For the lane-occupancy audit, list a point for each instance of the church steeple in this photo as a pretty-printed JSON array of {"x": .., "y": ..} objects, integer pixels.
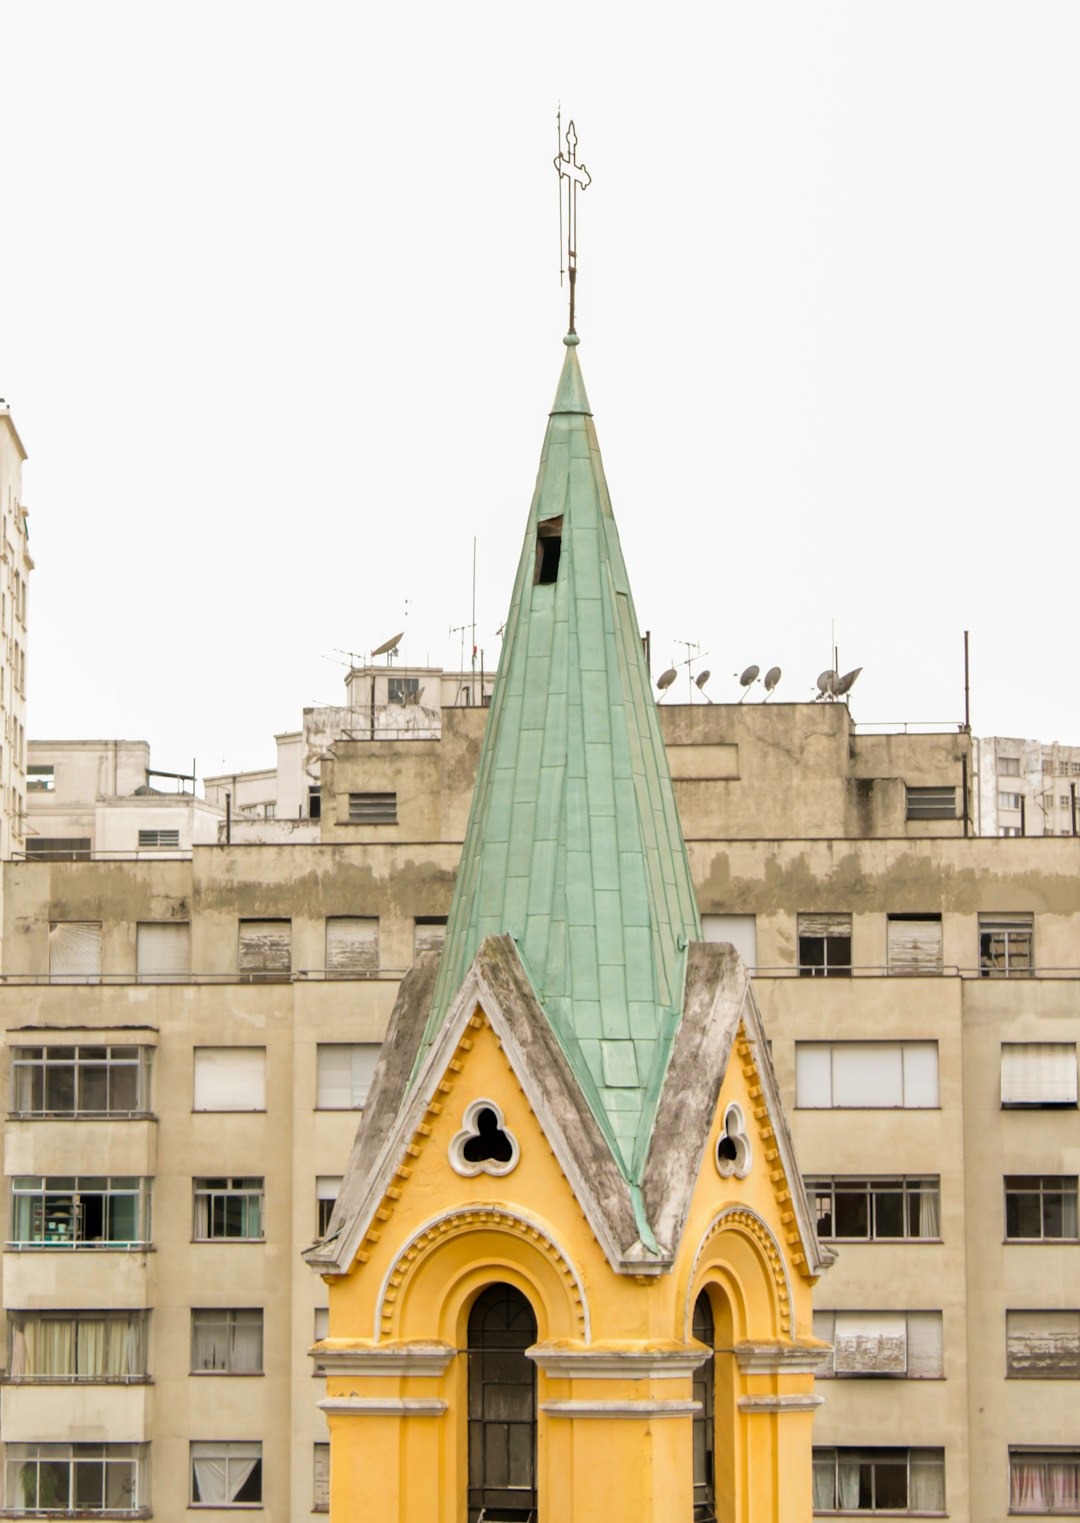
[{"x": 574, "y": 845}]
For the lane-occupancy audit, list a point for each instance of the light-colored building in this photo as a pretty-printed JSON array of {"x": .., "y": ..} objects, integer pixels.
[
  {"x": 14, "y": 586},
  {"x": 1026, "y": 787}
]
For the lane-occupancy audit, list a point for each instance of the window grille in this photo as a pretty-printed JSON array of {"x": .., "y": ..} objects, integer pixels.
[
  {"x": 372, "y": 808},
  {"x": 931, "y": 803}
]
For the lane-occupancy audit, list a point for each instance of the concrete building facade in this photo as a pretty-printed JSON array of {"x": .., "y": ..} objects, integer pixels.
[
  {"x": 1026, "y": 787},
  {"x": 14, "y": 590}
]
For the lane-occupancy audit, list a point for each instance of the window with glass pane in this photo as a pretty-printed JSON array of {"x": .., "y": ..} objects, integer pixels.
[
  {"x": 877, "y": 1209},
  {"x": 85, "y": 1345},
  {"x": 1006, "y": 946},
  {"x": 345, "y": 1071},
  {"x": 228, "y": 1209},
  {"x": 879, "y": 1480},
  {"x": 1044, "y": 1481},
  {"x": 1040, "y": 1206},
  {"x": 227, "y": 1341},
  {"x": 321, "y": 1331},
  {"x": 327, "y": 1188},
  {"x": 80, "y": 1081},
  {"x": 75, "y": 1478},
  {"x": 80, "y": 1212},
  {"x": 824, "y": 945},
  {"x": 226, "y": 1475}
]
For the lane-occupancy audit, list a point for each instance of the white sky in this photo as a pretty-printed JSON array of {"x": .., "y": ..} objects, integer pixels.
[{"x": 280, "y": 324}]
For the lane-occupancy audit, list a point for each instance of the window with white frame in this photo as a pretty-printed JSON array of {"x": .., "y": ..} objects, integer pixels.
[
  {"x": 327, "y": 1189},
  {"x": 344, "y": 1074},
  {"x": 76, "y": 1479},
  {"x": 1042, "y": 1345},
  {"x": 740, "y": 931},
  {"x": 265, "y": 950},
  {"x": 41, "y": 779},
  {"x": 1040, "y": 1207},
  {"x": 1038, "y": 1074},
  {"x": 429, "y": 933},
  {"x": 74, "y": 951},
  {"x": 322, "y": 1478},
  {"x": 1044, "y": 1481},
  {"x": 228, "y": 1209},
  {"x": 226, "y": 1475},
  {"x": 824, "y": 945},
  {"x": 879, "y": 1480},
  {"x": 1008, "y": 800},
  {"x": 99, "y": 1347},
  {"x": 352, "y": 945},
  {"x": 321, "y": 1331},
  {"x": 1006, "y": 945},
  {"x": 866, "y": 1075},
  {"x": 1008, "y": 766},
  {"x": 877, "y": 1209},
  {"x": 84, "y": 1212},
  {"x": 162, "y": 951},
  {"x": 230, "y": 1079},
  {"x": 900, "y": 1344},
  {"x": 914, "y": 944},
  {"x": 80, "y": 1081},
  {"x": 1009, "y": 830},
  {"x": 226, "y": 1340}
]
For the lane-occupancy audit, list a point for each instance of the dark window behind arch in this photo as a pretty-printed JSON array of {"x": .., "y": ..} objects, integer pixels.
[
  {"x": 705, "y": 1417},
  {"x": 502, "y": 1408}
]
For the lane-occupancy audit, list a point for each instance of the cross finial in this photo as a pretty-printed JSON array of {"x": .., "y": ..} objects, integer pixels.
[{"x": 571, "y": 175}]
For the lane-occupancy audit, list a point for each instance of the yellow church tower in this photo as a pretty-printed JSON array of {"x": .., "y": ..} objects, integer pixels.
[{"x": 570, "y": 1266}]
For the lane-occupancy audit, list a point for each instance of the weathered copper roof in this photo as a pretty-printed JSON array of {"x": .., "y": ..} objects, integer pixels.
[{"x": 574, "y": 846}]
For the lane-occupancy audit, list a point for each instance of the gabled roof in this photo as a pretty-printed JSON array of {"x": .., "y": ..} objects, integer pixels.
[{"x": 574, "y": 846}]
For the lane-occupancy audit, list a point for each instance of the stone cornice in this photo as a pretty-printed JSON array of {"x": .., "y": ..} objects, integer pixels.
[
  {"x": 780, "y": 1403},
  {"x": 643, "y": 1411},
  {"x": 416, "y": 1359},
  {"x": 781, "y": 1358},
  {"x": 627, "y": 1363},
  {"x": 383, "y": 1406}
]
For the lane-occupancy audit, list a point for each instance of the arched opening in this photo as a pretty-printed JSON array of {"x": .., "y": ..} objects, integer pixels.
[
  {"x": 502, "y": 1408},
  {"x": 705, "y": 1416}
]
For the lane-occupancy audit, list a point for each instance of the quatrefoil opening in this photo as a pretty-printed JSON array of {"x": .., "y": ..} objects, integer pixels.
[
  {"x": 733, "y": 1155},
  {"x": 483, "y": 1146}
]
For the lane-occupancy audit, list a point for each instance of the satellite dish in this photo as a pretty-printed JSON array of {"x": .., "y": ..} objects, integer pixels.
[
  {"x": 748, "y": 678},
  {"x": 826, "y": 682},
  {"x": 772, "y": 677},
  {"x": 665, "y": 679},
  {"x": 702, "y": 677},
  {"x": 846, "y": 682},
  {"x": 388, "y": 645}
]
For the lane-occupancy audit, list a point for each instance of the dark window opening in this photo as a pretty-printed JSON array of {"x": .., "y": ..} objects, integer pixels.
[
  {"x": 548, "y": 551},
  {"x": 726, "y": 1149},
  {"x": 490, "y": 1142},
  {"x": 502, "y": 1408},
  {"x": 704, "y": 1417},
  {"x": 314, "y": 803}
]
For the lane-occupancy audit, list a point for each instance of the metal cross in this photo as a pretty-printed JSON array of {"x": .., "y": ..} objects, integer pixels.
[{"x": 572, "y": 174}]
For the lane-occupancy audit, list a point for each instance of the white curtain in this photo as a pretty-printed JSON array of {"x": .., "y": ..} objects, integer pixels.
[
  {"x": 49, "y": 1347},
  {"x": 210, "y": 1478},
  {"x": 848, "y": 1485},
  {"x": 824, "y": 1485},
  {"x": 929, "y": 1214},
  {"x": 1068, "y": 1213},
  {"x": 926, "y": 1492},
  {"x": 1044, "y": 1482},
  {"x": 247, "y": 1343},
  {"x": 220, "y": 1475}
]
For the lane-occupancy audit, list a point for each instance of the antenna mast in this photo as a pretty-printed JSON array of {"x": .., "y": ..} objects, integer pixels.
[{"x": 571, "y": 174}]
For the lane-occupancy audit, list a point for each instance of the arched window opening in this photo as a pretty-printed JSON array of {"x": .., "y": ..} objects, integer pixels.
[
  {"x": 705, "y": 1417},
  {"x": 502, "y": 1408}
]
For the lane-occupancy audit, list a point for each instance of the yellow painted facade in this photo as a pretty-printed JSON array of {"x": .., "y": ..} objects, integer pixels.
[{"x": 614, "y": 1352}]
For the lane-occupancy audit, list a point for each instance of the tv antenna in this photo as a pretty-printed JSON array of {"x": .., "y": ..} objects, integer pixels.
[
  {"x": 693, "y": 653},
  {"x": 572, "y": 175}
]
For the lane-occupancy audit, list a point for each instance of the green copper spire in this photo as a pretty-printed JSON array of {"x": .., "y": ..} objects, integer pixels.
[{"x": 574, "y": 845}]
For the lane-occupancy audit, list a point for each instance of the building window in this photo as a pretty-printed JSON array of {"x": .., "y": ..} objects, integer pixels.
[
  {"x": 1042, "y": 1345},
  {"x": 1009, "y": 830},
  {"x": 352, "y": 946},
  {"x": 40, "y": 779},
  {"x": 226, "y": 1475},
  {"x": 322, "y": 1330},
  {"x": 95, "y": 1346},
  {"x": 80, "y": 1081},
  {"x": 914, "y": 944},
  {"x": 403, "y": 690},
  {"x": 741, "y": 932},
  {"x": 74, "y": 951},
  {"x": 879, "y": 1480},
  {"x": 345, "y": 1071},
  {"x": 824, "y": 946},
  {"x": 1006, "y": 946},
  {"x": 899, "y": 1344},
  {"x": 322, "y": 1478},
  {"x": 1038, "y": 1073},
  {"x": 162, "y": 951},
  {"x": 226, "y": 1341},
  {"x": 80, "y": 1213},
  {"x": 58, "y": 848},
  {"x": 931, "y": 803},
  {"x": 372, "y": 808},
  {"x": 1008, "y": 800},
  {"x": 1044, "y": 1481},
  {"x": 877, "y": 1210},
  {"x": 159, "y": 840},
  {"x": 327, "y": 1189},
  {"x": 270, "y": 810},
  {"x": 230, "y": 1079},
  {"x": 265, "y": 952},
  {"x": 1040, "y": 1207},
  {"x": 866, "y": 1075},
  {"x": 314, "y": 802},
  {"x": 429, "y": 933},
  {"x": 228, "y": 1209},
  {"x": 75, "y": 1479},
  {"x": 548, "y": 551},
  {"x": 1008, "y": 766}
]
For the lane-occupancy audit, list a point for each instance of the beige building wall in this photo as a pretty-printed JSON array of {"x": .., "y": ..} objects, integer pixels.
[{"x": 14, "y": 587}]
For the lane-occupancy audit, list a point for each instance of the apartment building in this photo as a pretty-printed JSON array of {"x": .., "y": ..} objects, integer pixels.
[
  {"x": 1026, "y": 787},
  {"x": 14, "y": 586},
  {"x": 187, "y": 1043}
]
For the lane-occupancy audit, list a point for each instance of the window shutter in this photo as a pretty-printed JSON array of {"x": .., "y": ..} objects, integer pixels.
[
  {"x": 825, "y": 924},
  {"x": 924, "y": 1348},
  {"x": 327, "y": 1186},
  {"x": 345, "y": 1072},
  {"x": 824, "y": 1328},
  {"x": 740, "y": 930},
  {"x": 813, "y": 1075},
  {"x": 75, "y": 949},
  {"x": 871, "y": 1343},
  {"x": 230, "y": 1079},
  {"x": 352, "y": 945},
  {"x": 428, "y": 935},
  {"x": 372, "y": 808},
  {"x": 322, "y": 1477},
  {"x": 1043, "y": 1344},
  {"x": 868, "y": 1074},
  {"x": 920, "y": 1075},
  {"x": 265, "y": 946},
  {"x": 914, "y": 946},
  {"x": 163, "y": 951},
  {"x": 1038, "y": 1073}
]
